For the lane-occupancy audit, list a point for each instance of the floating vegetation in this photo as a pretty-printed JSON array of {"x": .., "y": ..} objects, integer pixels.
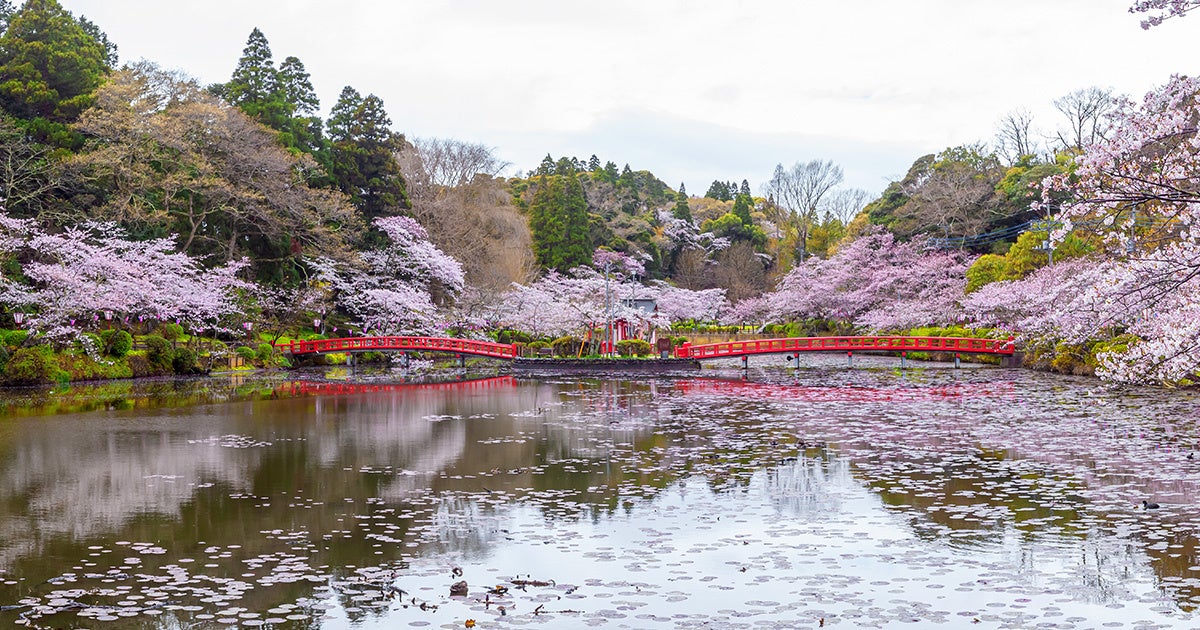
[{"x": 826, "y": 498}]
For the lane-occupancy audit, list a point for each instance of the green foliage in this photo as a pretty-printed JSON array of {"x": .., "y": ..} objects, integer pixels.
[
  {"x": 634, "y": 348},
  {"x": 49, "y": 64},
  {"x": 172, "y": 332},
  {"x": 559, "y": 221},
  {"x": 362, "y": 157},
  {"x": 265, "y": 352},
  {"x": 184, "y": 361},
  {"x": 247, "y": 353},
  {"x": 14, "y": 338},
  {"x": 159, "y": 354},
  {"x": 681, "y": 210},
  {"x": 513, "y": 336},
  {"x": 1023, "y": 258},
  {"x": 730, "y": 226},
  {"x": 118, "y": 343},
  {"x": 30, "y": 366},
  {"x": 566, "y": 346}
]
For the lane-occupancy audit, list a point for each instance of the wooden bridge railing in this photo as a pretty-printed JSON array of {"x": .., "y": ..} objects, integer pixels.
[
  {"x": 961, "y": 345},
  {"x": 398, "y": 343}
]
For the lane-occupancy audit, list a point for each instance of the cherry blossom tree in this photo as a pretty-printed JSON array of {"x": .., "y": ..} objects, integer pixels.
[
  {"x": 1161, "y": 10},
  {"x": 875, "y": 282},
  {"x": 396, "y": 289},
  {"x": 1139, "y": 192},
  {"x": 71, "y": 278}
]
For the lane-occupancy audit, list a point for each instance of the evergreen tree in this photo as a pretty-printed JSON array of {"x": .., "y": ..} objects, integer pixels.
[
  {"x": 110, "y": 49},
  {"x": 564, "y": 166},
  {"x": 303, "y": 126},
  {"x": 255, "y": 85},
  {"x": 741, "y": 208},
  {"x": 745, "y": 189},
  {"x": 719, "y": 190},
  {"x": 341, "y": 117},
  {"x": 362, "y": 156},
  {"x": 547, "y": 166},
  {"x": 593, "y": 163},
  {"x": 6, "y": 13},
  {"x": 297, "y": 89},
  {"x": 626, "y": 180},
  {"x": 558, "y": 219},
  {"x": 681, "y": 209},
  {"x": 49, "y": 64},
  {"x": 610, "y": 172}
]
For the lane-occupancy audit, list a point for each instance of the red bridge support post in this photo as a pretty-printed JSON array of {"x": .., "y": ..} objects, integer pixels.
[
  {"x": 903, "y": 358},
  {"x": 745, "y": 362},
  {"x": 849, "y": 358}
]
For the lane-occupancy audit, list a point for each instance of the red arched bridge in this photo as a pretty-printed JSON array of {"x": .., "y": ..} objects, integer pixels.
[
  {"x": 792, "y": 346},
  {"x": 400, "y": 344},
  {"x": 796, "y": 345}
]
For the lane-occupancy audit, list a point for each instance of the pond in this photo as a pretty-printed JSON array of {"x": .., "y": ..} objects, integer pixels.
[{"x": 821, "y": 497}]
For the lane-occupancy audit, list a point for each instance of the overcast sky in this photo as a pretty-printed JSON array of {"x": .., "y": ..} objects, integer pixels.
[{"x": 691, "y": 90}]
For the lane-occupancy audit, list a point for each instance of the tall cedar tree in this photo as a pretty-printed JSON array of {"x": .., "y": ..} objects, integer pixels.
[
  {"x": 363, "y": 162},
  {"x": 558, "y": 219}
]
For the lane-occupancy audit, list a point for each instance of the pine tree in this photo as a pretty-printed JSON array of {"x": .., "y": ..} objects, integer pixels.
[
  {"x": 49, "y": 64},
  {"x": 718, "y": 190},
  {"x": 745, "y": 189},
  {"x": 547, "y": 166},
  {"x": 255, "y": 87},
  {"x": 593, "y": 163}
]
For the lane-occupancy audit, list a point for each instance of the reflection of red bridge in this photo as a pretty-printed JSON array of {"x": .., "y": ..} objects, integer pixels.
[
  {"x": 796, "y": 345},
  {"x": 401, "y": 344},
  {"x": 319, "y": 388},
  {"x": 804, "y": 393}
]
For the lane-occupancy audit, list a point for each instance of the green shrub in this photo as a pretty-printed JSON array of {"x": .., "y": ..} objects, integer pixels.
[
  {"x": 159, "y": 354},
  {"x": 634, "y": 348},
  {"x": 513, "y": 336},
  {"x": 28, "y": 366},
  {"x": 185, "y": 361},
  {"x": 678, "y": 341},
  {"x": 119, "y": 343},
  {"x": 172, "y": 332},
  {"x": 15, "y": 338},
  {"x": 265, "y": 352},
  {"x": 246, "y": 353},
  {"x": 90, "y": 342},
  {"x": 566, "y": 346}
]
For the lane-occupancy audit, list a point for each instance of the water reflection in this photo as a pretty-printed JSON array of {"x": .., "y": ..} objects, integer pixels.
[{"x": 330, "y": 503}]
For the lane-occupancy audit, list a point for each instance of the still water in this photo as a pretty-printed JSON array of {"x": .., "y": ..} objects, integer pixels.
[{"x": 823, "y": 497}]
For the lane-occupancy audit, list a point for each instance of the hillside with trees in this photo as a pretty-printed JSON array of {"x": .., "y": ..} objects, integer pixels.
[{"x": 135, "y": 194}]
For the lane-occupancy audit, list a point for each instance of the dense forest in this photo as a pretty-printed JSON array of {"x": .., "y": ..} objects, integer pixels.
[{"x": 242, "y": 194}]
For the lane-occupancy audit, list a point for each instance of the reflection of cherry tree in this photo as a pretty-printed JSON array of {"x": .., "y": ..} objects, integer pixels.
[
  {"x": 394, "y": 289},
  {"x": 70, "y": 278}
]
